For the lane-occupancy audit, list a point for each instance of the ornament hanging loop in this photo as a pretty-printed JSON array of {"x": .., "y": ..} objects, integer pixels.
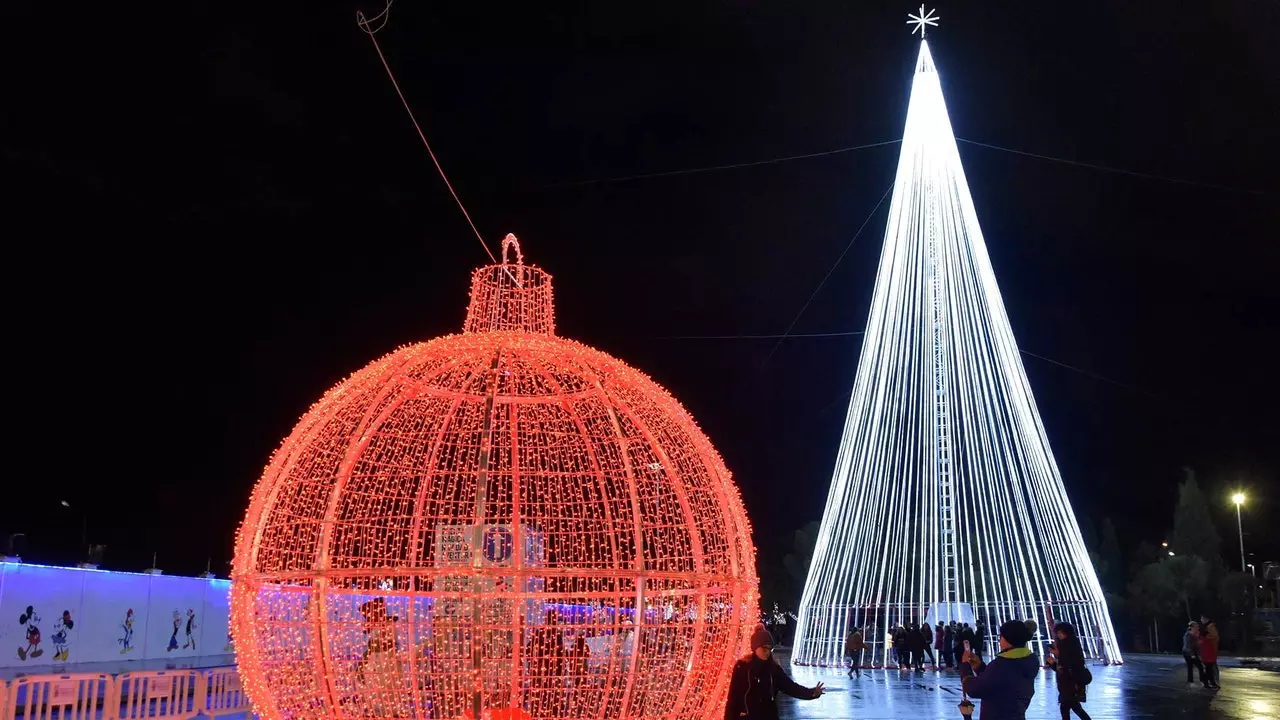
[{"x": 508, "y": 242}]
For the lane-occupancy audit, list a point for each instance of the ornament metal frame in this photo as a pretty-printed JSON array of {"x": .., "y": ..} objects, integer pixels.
[{"x": 501, "y": 523}]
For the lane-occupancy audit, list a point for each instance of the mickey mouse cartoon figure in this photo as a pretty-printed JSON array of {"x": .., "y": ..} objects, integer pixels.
[
  {"x": 32, "y": 650},
  {"x": 59, "y": 638}
]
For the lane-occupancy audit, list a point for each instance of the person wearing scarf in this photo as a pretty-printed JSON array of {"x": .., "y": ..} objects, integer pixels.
[{"x": 1006, "y": 684}]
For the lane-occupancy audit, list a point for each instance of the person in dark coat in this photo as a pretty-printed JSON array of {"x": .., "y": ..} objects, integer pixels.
[
  {"x": 1191, "y": 651},
  {"x": 1067, "y": 659},
  {"x": 926, "y": 643},
  {"x": 915, "y": 645},
  {"x": 966, "y": 633},
  {"x": 1006, "y": 684},
  {"x": 900, "y": 651},
  {"x": 756, "y": 681},
  {"x": 948, "y": 644},
  {"x": 957, "y": 635},
  {"x": 938, "y": 634}
]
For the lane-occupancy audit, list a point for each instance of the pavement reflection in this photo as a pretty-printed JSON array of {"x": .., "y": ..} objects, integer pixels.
[{"x": 1144, "y": 687}]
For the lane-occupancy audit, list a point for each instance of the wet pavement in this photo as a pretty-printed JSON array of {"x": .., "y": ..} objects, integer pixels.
[{"x": 1144, "y": 687}]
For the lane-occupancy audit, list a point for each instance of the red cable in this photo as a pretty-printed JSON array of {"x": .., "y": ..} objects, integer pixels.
[{"x": 426, "y": 144}]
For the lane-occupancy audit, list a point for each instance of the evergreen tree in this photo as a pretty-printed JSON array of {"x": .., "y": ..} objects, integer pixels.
[
  {"x": 1193, "y": 529},
  {"x": 1111, "y": 563}
]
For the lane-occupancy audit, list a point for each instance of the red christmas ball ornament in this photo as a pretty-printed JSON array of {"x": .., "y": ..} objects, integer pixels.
[{"x": 496, "y": 524}]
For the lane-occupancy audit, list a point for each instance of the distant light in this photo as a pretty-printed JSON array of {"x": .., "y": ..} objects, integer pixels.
[
  {"x": 1170, "y": 553},
  {"x": 65, "y": 503},
  {"x": 1164, "y": 544},
  {"x": 1238, "y": 498}
]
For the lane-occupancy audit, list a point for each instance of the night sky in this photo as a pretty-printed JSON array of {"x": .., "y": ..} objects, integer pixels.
[{"x": 217, "y": 212}]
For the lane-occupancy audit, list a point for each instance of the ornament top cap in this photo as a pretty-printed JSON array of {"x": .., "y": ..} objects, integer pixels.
[{"x": 510, "y": 296}]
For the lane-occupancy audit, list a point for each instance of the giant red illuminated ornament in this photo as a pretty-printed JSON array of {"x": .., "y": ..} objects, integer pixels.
[{"x": 498, "y": 524}]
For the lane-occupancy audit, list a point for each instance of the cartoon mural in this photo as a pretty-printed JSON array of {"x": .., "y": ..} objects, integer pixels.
[
  {"x": 59, "y": 638},
  {"x": 191, "y": 626},
  {"x": 173, "y": 639},
  {"x": 126, "y": 640},
  {"x": 30, "y": 620},
  {"x": 108, "y": 616}
]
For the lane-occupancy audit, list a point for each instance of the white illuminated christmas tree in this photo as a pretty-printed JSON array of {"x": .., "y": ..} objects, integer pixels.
[{"x": 946, "y": 502}]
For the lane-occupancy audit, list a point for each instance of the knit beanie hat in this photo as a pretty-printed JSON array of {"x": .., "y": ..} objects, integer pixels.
[
  {"x": 1016, "y": 633},
  {"x": 761, "y": 637}
]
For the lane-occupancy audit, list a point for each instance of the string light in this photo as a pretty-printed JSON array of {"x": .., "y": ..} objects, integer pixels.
[
  {"x": 946, "y": 502},
  {"x": 496, "y": 524}
]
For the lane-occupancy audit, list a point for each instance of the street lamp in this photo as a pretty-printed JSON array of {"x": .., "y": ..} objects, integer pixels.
[
  {"x": 1238, "y": 499},
  {"x": 84, "y": 526}
]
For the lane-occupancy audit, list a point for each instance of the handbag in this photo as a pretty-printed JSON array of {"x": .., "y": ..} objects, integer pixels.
[{"x": 1082, "y": 676}]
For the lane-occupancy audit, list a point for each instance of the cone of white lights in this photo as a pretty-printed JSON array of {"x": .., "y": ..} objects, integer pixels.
[{"x": 946, "y": 502}]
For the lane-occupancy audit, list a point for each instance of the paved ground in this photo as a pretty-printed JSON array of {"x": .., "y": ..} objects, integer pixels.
[{"x": 1144, "y": 687}]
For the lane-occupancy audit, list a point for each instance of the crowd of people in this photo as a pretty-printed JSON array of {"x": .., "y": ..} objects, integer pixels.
[
  {"x": 910, "y": 645},
  {"x": 1200, "y": 650},
  {"x": 1005, "y": 685}
]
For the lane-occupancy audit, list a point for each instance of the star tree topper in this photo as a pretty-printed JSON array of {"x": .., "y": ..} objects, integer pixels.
[{"x": 922, "y": 21}]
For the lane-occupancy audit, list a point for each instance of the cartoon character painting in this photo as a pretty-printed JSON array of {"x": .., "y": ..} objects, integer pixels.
[
  {"x": 31, "y": 620},
  {"x": 173, "y": 639},
  {"x": 191, "y": 627},
  {"x": 126, "y": 640},
  {"x": 59, "y": 638}
]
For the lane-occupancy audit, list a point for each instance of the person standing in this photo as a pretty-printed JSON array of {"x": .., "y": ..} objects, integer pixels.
[
  {"x": 948, "y": 644},
  {"x": 938, "y": 635},
  {"x": 915, "y": 644},
  {"x": 853, "y": 647},
  {"x": 967, "y": 636},
  {"x": 1006, "y": 684},
  {"x": 1209, "y": 652},
  {"x": 957, "y": 634},
  {"x": 1191, "y": 651},
  {"x": 900, "y": 651},
  {"x": 756, "y": 681},
  {"x": 926, "y": 643},
  {"x": 1067, "y": 659}
]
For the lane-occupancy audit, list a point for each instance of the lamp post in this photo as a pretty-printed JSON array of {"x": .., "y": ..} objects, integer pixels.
[
  {"x": 1238, "y": 499},
  {"x": 84, "y": 527}
]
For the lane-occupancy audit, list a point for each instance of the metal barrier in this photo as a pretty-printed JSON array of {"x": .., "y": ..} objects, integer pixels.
[
  {"x": 60, "y": 697},
  {"x": 222, "y": 693},
  {"x": 156, "y": 695},
  {"x": 143, "y": 695}
]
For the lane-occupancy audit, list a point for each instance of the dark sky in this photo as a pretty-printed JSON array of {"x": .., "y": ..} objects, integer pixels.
[{"x": 218, "y": 211}]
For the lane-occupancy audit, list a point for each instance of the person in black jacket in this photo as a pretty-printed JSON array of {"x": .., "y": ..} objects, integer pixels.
[
  {"x": 967, "y": 635},
  {"x": 1006, "y": 684},
  {"x": 926, "y": 642},
  {"x": 957, "y": 639},
  {"x": 948, "y": 643},
  {"x": 900, "y": 653},
  {"x": 1067, "y": 658},
  {"x": 915, "y": 643},
  {"x": 756, "y": 681}
]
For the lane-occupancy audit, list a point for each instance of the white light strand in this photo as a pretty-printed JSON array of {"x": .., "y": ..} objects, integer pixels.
[{"x": 946, "y": 502}]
